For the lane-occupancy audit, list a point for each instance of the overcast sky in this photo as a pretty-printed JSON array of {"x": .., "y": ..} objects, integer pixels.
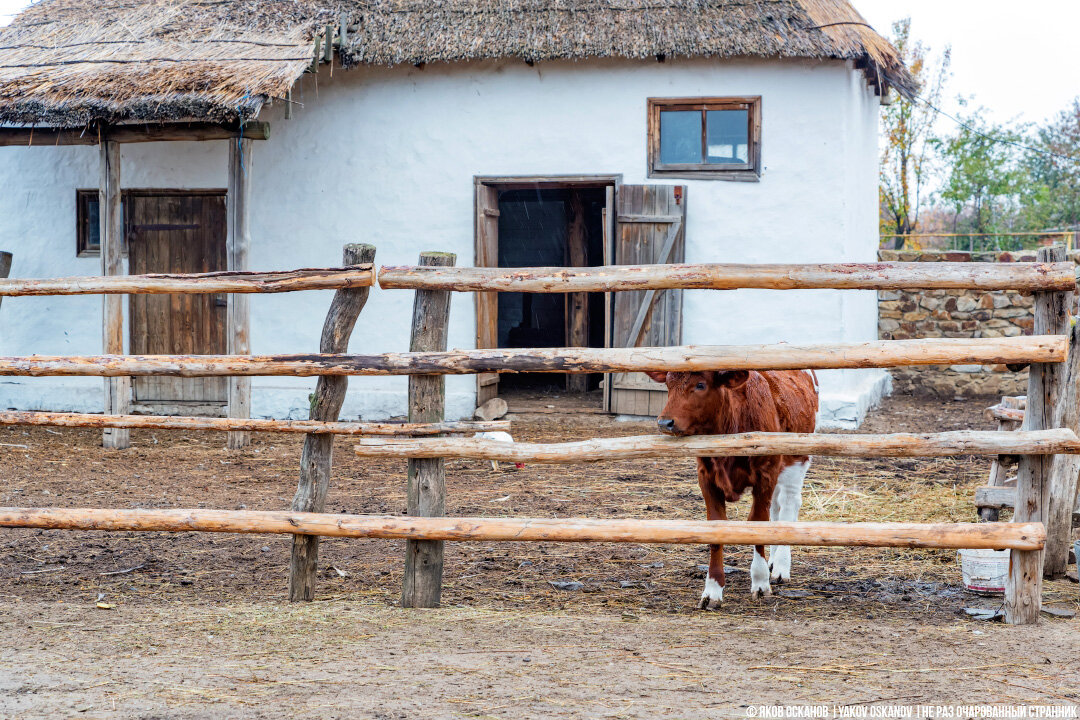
[{"x": 1018, "y": 64}]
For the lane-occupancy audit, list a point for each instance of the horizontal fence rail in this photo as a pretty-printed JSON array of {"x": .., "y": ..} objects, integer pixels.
[
  {"x": 877, "y": 354},
  {"x": 169, "y": 422},
  {"x": 215, "y": 282},
  {"x": 963, "y": 442},
  {"x": 1013, "y": 536},
  {"x": 842, "y": 276},
  {"x": 998, "y": 412}
]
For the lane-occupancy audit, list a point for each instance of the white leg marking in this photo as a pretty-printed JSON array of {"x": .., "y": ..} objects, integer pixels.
[
  {"x": 713, "y": 596},
  {"x": 759, "y": 577},
  {"x": 787, "y": 499},
  {"x": 774, "y": 514}
]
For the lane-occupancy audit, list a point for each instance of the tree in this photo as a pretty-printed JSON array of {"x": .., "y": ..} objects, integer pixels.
[
  {"x": 985, "y": 175},
  {"x": 1054, "y": 198},
  {"x": 907, "y": 126}
]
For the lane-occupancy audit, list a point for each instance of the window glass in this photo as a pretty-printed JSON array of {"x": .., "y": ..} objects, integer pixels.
[
  {"x": 727, "y": 136},
  {"x": 680, "y": 137},
  {"x": 92, "y": 225}
]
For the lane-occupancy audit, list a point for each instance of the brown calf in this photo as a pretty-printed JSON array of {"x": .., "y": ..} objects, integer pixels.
[{"x": 720, "y": 403}]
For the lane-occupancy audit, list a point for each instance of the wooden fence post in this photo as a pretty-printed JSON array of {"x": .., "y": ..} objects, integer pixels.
[
  {"x": 317, "y": 456},
  {"x": 422, "y": 585},
  {"x": 239, "y": 306},
  {"x": 577, "y": 304},
  {"x": 117, "y": 389},
  {"x": 1023, "y": 592},
  {"x": 1064, "y": 469},
  {"x": 998, "y": 472}
]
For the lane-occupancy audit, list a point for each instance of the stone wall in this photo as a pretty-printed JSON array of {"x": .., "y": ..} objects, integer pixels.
[{"x": 906, "y": 314}]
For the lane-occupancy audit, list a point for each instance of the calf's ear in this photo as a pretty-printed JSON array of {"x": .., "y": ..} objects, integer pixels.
[
  {"x": 660, "y": 377},
  {"x": 732, "y": 379}
]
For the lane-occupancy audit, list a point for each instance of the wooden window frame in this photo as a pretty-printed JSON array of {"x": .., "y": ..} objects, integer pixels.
[
  {"x": 749, "y": 171},
  {"x": 82, "y": 212}
]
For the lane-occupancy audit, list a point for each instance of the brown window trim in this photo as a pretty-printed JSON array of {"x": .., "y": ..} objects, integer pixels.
[
  {"x": 83, "y": 198},
  {"x": 750, "y": 172}
]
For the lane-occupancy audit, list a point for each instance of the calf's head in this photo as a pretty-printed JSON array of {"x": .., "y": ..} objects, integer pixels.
[{"x": 696, "y": 400}]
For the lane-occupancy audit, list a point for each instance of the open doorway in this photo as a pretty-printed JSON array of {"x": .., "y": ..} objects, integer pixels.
[
  {"x": 578, "y": 221},
  {"x": 544, "y": 223}
]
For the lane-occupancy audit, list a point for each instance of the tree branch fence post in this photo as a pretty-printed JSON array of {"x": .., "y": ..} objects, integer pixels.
[
  {"x": 1023, "y": 589},
  {"x": 422, "y": 585},
  {"x": 317, "y": 457}
]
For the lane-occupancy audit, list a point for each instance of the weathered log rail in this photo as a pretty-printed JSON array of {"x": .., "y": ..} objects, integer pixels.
[
  {"x": 840, "y": 276},
  {"x": 1040, "y": 445},
  {"x": 179, "y": 422},
  {"x": 232, "y": 281},
  {"x": 1023, "y": 537},
  {"x": 877, "y": 354},
  {"x": 946, "y": 444}
]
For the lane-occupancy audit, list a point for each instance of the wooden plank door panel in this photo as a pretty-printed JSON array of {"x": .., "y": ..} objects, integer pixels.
[
  {"x": 487, "y": 303},
  {"x": 650, "y": 228},
  {"x": 177, "y": 233}
]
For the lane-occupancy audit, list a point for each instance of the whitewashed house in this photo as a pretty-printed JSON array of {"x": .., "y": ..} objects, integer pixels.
[{"x": 510, "y": 132}]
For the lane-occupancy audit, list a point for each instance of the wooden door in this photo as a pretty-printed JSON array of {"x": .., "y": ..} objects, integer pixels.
[
  {"x": 650, "y": 229},
  {"x": 487, "y": 303},
  {"x": 177, "y": 233}
]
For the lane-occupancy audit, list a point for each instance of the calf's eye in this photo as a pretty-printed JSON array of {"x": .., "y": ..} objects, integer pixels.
[{"x": 700, "y": 386}]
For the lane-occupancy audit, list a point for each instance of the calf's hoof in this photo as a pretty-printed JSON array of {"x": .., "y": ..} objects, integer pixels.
[
  {"x": 778, "y": 577},
  {"x": 780, "y": 564},
  {"x": 759, "y": 578},
  {"x": 760, "y": 593},
  {"x": 713, "y": 595}
]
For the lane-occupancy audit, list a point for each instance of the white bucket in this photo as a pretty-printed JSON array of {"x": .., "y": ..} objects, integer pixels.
[{"x": 984, "y": 571}]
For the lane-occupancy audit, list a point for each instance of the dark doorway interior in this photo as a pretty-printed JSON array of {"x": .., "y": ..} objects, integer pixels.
[{"x": 551, "y": 227}]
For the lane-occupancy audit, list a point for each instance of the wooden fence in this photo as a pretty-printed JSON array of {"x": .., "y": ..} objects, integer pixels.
[{"x": 1046, "y": 444}]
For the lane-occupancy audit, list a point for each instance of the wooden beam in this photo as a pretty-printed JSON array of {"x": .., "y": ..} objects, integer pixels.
[
  {"x": 166, "y": 132},
  {"x": 998, "y": 471},
  {"x": 1064, "y": 471},
  {"x": 5, "y": 265},
  {"x": 1023, "y": 586},
  {"x": 688, "y": 358},
  {"x": 1015, "y": 536},
  {"x": 961, "y": 442},
  {"x": 238, "y": 333},
  {"x": 215, "y": 282},
  {"x": 317, "y": 456},
  {"x": 117, "y": 387},
  {"x": 995, "y": 496},
  {"x": 576, "y": 304},
  {"x": 175, "y": 422},
  {"x": 422, "y": 581},
  {"x": 1004, "y": 414},
  {"x": 848, "y": 276}
]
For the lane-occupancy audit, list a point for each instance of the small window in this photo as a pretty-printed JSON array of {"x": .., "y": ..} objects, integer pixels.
[
  {"x": 705, "y": 138},
  {"x": 87, "y": 223},
  {"x": 88, "y": 229}
]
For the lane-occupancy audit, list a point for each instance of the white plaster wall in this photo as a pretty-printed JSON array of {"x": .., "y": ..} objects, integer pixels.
[{"x": 388, "y": 155}]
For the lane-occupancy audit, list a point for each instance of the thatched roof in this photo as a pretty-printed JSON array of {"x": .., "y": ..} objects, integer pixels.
[
  {"x": 413, "y": 31},
  {"x": 71, "y": 62}
]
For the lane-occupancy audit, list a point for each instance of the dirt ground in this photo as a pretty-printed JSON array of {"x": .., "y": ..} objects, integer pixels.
[{"x": 197, "y": 625}]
